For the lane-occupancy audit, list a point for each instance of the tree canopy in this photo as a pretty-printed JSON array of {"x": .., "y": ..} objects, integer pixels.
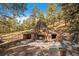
[
  {"x": 14, "y": 9},
  {"x": 69, "y": 13}
]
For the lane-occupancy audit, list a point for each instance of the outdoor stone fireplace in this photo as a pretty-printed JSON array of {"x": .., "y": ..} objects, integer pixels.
[{"x": 40, "y": 32}]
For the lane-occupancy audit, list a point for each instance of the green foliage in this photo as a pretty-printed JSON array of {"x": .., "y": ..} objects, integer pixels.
[
  {"x": 68, "y": 13},
  {"x": 8, "y": 14},
  {"x": 71, "y": 13},
  {"x": 31, "y": 22},
  {"x": 41, "y": 16},
  {"x": 34, "y": 11},
  {"x": 16, "y": 9},
  {"x": 50, "y": 12},
  {"x": 8, "y": 25}
]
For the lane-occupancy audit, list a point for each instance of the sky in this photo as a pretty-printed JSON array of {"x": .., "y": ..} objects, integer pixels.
[
  {"x": 29, "y": 7},
  {"x": 42, "y": 6}
]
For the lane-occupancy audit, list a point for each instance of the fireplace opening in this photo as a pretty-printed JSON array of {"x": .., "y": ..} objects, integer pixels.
[
  {"x": 53, "y": 36},
  {"x": 26, "y": 36},
  {"x": 40, "y": 37}
]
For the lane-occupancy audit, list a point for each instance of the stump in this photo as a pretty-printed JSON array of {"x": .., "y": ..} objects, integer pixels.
[{"x": 62, "y": 51}]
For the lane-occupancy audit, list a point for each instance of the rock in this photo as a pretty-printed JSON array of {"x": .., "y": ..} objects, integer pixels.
[
  {"x": 75, "y": 37},
  {"x": 23, "y": 53},
  {"x": 57, "y": 49}
]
